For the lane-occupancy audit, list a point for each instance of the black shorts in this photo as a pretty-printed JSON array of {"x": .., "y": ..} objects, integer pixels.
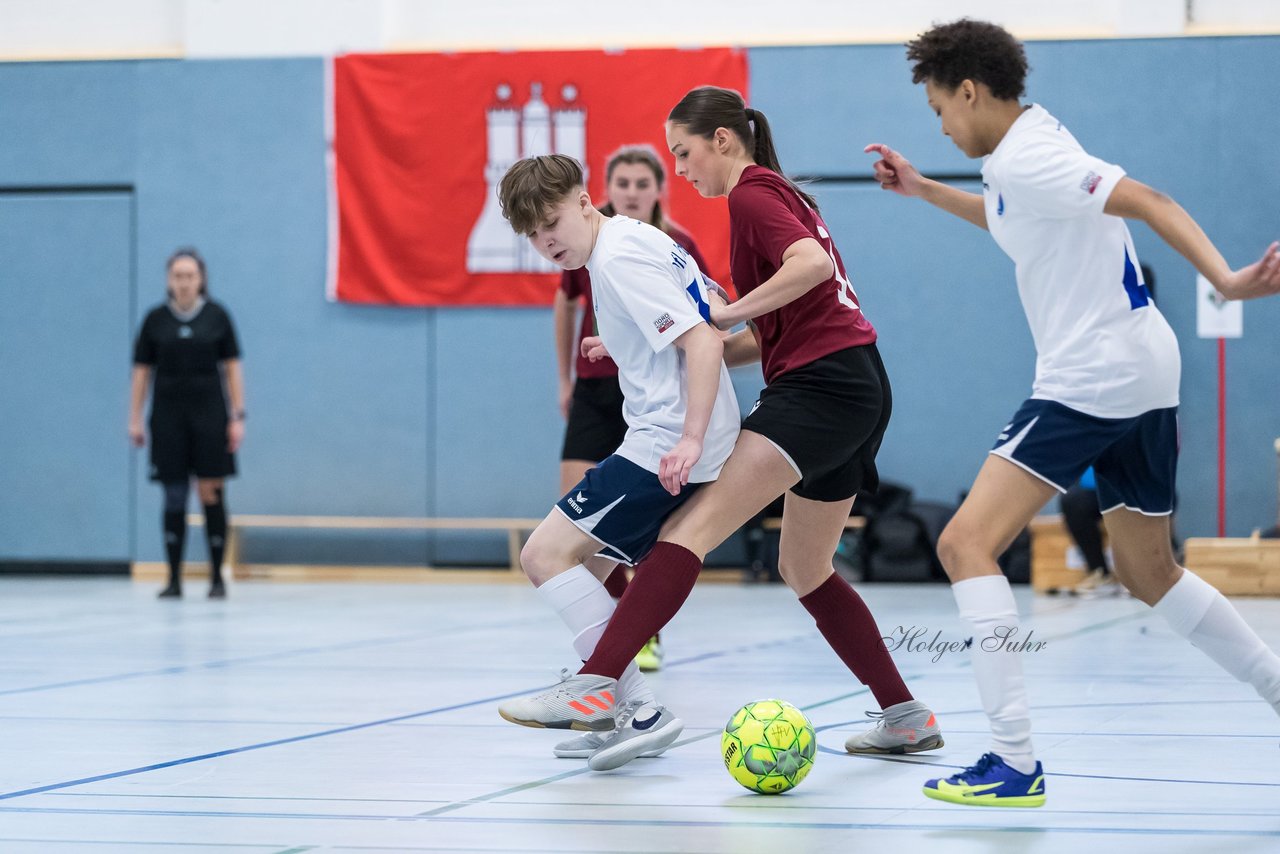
[
  {"x": 189, "y": 436},
  {"x": 596, "y": 427},
  {"x": 828, "y": 417}
]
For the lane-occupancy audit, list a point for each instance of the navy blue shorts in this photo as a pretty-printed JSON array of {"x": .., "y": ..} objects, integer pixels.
[
  {"x": 622, "y": 506},
  {"x": 1134, "y": 459}
]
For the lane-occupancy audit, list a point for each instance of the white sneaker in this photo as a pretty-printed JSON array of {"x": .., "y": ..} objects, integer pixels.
[
  {"x": 643, "y": 729},
  {"x": 583, "y": 746},
  {"x": 583, "y": 702},
  {"x": 903, "y": 728}
]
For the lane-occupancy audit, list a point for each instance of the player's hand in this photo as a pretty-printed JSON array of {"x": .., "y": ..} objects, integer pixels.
[
  {"x": 1259, "y": 279},
  {"x": 566, "y": 397},
  {"x": 673, "y": 470},
  {"x": 137, "y": 436},
  {"x": 713, "y": 287},
  {"x": 895, "y": 172},
  {"x": 593, "y": 348},
  {"x": 718, "y": 308},
  {"x": 235, "y": 435}
]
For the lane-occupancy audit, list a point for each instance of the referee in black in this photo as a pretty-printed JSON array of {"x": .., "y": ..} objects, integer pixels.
[{"x": 188, "y": 347}]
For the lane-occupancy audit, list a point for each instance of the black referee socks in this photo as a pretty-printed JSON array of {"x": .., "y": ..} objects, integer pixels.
[
  {"x": 215, "y": 527},
  {"x": 175, "y": 535}
]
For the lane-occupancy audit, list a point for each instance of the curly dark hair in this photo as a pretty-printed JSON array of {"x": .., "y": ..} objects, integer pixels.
[{"x": 966, "y": 49}]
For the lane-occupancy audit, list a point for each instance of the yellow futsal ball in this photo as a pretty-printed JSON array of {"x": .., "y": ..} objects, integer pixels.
[{"x": 768, "y": 746}]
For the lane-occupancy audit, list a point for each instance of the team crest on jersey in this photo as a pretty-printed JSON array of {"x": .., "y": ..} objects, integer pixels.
[
  {"x": 1091, "y": 182},
  {"x": 662, "y": 324}
]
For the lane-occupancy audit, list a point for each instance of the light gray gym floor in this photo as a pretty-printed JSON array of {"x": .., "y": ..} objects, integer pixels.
[{"x": 361, "y": 718}]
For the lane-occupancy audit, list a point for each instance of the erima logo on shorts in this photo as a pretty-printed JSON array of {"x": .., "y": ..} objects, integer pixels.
[
  {"x": 1091, "y": 182},
  {"x": 662, "y": 324}
]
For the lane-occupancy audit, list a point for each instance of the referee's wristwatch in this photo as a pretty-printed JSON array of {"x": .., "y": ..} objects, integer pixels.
[{"x": 238, "y": 414}]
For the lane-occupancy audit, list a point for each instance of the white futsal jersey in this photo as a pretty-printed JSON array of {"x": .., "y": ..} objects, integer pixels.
[
  {"x": 647, "y": 291},
  {"x": 1102, "y": 347}
]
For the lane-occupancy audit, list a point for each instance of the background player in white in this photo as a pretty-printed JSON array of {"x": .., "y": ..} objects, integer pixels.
[
  {"x": 1106, "y": 386},
  {"x": 682, "y": 421}
]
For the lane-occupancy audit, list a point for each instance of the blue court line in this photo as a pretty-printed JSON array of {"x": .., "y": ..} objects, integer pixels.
[
  {"x": 414, "y": 715},
  {"x": 667, "y": 823},
  {"x": 479, "y": 799},
  {"x": 1041, "y": 732},
  {"x": 249, "y": 659},
  {"x": 276, "y": 743},
  {"x": 776, "y": 804},
  {"x": 334, "y": 731},
  {"x": 905, "y": 761},
  {"x": 132, "y": 842}
]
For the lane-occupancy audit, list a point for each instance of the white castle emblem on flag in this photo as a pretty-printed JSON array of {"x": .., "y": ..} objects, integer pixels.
[{"x": 513, "y": 134}]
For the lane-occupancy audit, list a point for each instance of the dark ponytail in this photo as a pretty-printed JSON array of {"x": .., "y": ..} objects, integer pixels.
[{"x": 705, "y": 109}]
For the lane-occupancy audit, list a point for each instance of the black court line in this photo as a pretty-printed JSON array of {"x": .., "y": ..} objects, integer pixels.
[{"x": 63, "y": 189}]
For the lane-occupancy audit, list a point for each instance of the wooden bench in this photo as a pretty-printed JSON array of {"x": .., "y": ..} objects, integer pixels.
[
  {"x": 1050, "y": 547},
  {"x": 1237, "y": 566},
  {"x": 854, "y": 523},
  {"x": 516, "y": 530}
]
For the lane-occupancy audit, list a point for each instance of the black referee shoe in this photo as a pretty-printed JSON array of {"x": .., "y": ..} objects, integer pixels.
[
  {"x": 218, "y": 590},
  {"x": 173, "y": 591}
]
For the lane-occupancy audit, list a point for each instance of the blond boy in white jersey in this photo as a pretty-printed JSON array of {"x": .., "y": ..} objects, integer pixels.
[
  {"x": 650, "y": 302},
  {"x": 1106, "y": 387}
]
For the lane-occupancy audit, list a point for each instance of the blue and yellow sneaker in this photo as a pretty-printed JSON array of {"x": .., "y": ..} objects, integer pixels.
[
  {"x": 649, "y": 659},
  {"x": 990, "y": 783}
]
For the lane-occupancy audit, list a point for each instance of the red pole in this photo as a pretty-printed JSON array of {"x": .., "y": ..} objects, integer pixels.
[{"x": 1222, "y": 437}]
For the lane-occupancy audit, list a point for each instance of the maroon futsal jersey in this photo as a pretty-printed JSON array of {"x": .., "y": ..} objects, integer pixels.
[
  {"x": 766, "y": 216},
  {"x": 576, "y": 284}
]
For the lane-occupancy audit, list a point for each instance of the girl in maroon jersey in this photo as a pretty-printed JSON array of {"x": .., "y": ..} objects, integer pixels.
[
  {"x": 813, "y": 434},
  {"x": 591, "y": 400}
]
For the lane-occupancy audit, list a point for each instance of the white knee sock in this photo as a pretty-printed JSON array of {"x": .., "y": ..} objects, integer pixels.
[
  {"x": 988, "y": 610},
  {"x": 1202, "y": 615},
  {"x": 585, "y": 606}
]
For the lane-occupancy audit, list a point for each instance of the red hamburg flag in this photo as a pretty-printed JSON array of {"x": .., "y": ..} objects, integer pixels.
[{"x": 420, "y": 142}]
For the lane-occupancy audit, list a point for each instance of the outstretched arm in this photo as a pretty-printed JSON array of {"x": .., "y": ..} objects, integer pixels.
[
  {"x": 895, "y": 172},
  {"x": 1134, "y": 200},
  {"x": 805, "y": 265}
]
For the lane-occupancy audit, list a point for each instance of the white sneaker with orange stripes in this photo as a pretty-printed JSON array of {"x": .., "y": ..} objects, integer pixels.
[
  {"x": 905, "y": 728},
  {"x": 583, "y": 702}
]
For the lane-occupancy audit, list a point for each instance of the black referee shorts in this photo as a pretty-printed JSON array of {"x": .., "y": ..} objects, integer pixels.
[
  {"x": 189, "y": 436},
  {"x": 596, "y": 427},
  {"x": 829, "y": 418}
]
